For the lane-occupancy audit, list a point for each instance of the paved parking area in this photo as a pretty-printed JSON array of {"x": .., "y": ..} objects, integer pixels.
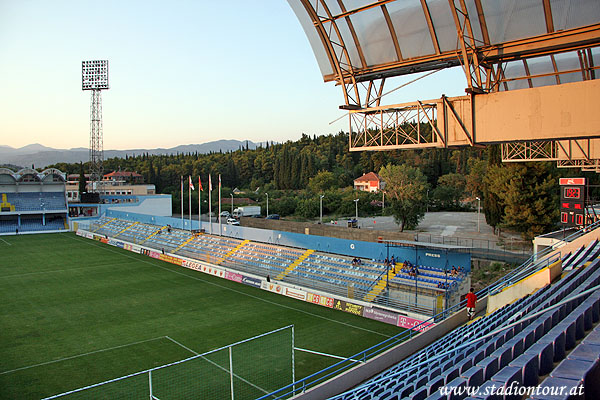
[{"x": 444, "y": 223}]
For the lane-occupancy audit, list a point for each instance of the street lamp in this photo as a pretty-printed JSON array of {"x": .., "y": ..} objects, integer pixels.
[
  {"x": 231, "y": 204},
  {"x": 478, "y": 208},
  {"x": 321, "y": 209},
  {"x": 356, "y": 204},
  {"x": 267, "y": 204}
]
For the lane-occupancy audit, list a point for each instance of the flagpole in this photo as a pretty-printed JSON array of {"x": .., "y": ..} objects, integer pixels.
[
  {"x": 209, "y": 203},
  {"x": 190, "y": 200},
  {"x": 199, "y": 203},
  {"x": 182, "y": 227},
  {"x": 220, "y": 204}
]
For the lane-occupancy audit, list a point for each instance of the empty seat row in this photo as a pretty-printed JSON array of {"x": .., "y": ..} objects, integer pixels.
[{"x": 522, "y": 353}]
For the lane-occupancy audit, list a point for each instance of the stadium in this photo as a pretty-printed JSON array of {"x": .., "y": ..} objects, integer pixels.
[{"x": 111, "y": 297}]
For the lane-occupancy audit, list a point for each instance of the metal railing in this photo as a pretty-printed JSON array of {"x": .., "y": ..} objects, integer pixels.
[{"x": 507, "y": 250}]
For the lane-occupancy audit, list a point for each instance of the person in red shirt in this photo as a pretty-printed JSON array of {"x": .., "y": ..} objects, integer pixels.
[{"x": 471, "y": 300}]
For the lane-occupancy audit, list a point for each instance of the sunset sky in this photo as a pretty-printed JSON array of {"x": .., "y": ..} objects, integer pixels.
[{"x": 181, "y": 72}]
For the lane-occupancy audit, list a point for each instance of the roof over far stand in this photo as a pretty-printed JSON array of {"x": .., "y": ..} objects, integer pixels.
[{"x": 47, "y": 175}]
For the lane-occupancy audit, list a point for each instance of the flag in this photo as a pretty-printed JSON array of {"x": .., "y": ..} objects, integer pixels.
[
  {"x": 219, "y": 180},
  {"x": 191, "y": 184},
  {"x": 209, "y": 183},
  {"x": 200, "y": 185}
]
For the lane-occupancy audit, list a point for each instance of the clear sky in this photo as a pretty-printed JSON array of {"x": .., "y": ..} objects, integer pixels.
[{"x": 180, "y": 72}]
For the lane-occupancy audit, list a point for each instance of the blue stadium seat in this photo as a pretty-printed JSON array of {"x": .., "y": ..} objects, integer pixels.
[{"x": 529, "y": 365}]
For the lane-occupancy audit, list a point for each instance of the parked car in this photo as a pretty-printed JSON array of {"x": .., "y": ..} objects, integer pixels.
[
  {"x": 232, "y": 221},
  {"x": 225, "y": 214},
  {"x": 273, "y": 216}
]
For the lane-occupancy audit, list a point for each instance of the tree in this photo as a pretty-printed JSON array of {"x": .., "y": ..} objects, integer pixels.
[
  {"x": 322, "y": 181},
  {"x": 406, "y": 188},
  {"x": 492, "y": 204},
  {"x": 308, "y": 208},
  {"x": 529, "y": 194},
  {"x": 450, "y": 190},
  {"x": 477, "y": 168},
  {"x": 283, "y": 206}
]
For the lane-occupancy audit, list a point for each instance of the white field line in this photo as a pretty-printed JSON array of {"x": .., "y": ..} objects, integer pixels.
[
  {"x": 327, "y": 355},
  {"x": 218, "y": 366},
  {"x": 63, "y": 270},
  {"x": 6, "y": 242},
  {"x": 82, "y": 355},
  {"x": 155, "y": 264}
]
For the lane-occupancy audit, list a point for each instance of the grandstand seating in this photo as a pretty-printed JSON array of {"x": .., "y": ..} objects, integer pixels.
[
  {"x": 8, "y": 226},
  {"x": 471, "y": 356},
  {"x": 36, "y": 224},
  {"x": 37, "y": 201},
  {"x": 280, "y": 262},
  {"x": 428, "y": 277},
  {"x": 33, "y": 224},
  {"x": 337, "y": 270}
]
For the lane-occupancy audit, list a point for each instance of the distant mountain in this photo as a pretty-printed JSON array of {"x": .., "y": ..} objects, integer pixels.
[{"x": 41, "y": 156}]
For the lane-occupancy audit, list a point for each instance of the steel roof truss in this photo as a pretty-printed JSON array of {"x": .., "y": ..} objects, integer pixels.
[{"x": 540, "y": 150}]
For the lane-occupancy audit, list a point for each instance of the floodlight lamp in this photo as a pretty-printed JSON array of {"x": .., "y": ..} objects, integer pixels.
[{"x": 94, "y": 75}]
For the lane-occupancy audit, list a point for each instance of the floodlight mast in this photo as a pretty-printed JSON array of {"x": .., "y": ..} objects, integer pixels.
[{"x": 94, "y": 77}]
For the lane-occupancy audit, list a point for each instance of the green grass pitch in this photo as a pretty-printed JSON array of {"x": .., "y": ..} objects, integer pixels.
[{"x": 74, "y": 312}]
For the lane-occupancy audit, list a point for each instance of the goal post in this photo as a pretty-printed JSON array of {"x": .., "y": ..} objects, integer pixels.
[{"x": 247, "y": 369}]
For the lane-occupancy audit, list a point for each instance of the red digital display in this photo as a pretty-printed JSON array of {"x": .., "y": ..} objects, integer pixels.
[{"x": 572, "y": 193}]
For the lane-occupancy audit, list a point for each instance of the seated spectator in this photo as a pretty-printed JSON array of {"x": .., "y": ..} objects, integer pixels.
[{"x": 454, "y": 272}]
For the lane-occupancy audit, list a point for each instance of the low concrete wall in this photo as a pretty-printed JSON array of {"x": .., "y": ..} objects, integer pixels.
[
  {"x": 525, "y": 286},
  {"x": 360, "y": 373},
  {"x": 341, "y": 232}
]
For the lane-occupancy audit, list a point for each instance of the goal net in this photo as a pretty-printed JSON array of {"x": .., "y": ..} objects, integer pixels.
[{"x": 247, "y": 369}]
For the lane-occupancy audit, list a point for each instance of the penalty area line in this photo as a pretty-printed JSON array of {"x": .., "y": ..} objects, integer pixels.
[
  {"x": 328, "y": 355},
  {"x": 81, "y": 355}
]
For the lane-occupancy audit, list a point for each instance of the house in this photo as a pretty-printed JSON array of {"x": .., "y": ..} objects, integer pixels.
[
  {"x": 122, "y": 177},
  {"x": 370, "y": 182}
]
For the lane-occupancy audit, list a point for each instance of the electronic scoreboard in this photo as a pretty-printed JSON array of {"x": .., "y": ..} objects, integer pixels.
[{"x": 572, "y": 202}]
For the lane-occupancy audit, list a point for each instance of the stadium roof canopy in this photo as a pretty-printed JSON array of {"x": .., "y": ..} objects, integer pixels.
[
  {"x": 47, "y": 175},
  {"x": 548, "y": 48},
  {"x": 362, "y": 40}
]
